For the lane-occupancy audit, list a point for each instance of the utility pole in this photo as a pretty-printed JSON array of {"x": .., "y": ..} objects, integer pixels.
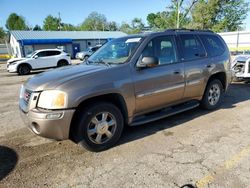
[
  {"x": 178, "y": 14},
  {"x": 59, "y": 18}
]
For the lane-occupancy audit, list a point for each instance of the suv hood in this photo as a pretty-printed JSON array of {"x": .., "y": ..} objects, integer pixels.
[
  {"x": 55, "y": 77},
  {"x": 12, "y": 60}
]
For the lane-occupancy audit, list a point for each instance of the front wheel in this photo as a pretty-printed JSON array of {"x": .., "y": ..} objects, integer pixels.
[
  {"x": 23, "y": 70},
  {"x": 99, "y": 126},
  {"x": 213, "y": 95}
]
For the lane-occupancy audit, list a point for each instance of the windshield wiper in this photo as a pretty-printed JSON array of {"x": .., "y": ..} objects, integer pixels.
[{"x": 99, "y": 62}]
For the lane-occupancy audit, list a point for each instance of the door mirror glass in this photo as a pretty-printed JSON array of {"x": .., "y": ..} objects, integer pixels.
[{"x": 148, "y": 62}]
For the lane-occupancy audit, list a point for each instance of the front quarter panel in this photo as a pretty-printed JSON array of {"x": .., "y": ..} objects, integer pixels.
[{"x": 112, "y": 80}]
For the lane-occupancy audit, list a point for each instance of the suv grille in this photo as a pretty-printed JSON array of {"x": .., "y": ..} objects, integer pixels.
[{"x": 26, "y": 96}]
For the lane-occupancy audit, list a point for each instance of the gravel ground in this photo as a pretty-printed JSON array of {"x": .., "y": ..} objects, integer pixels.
[{"x": 197, "y": 148}]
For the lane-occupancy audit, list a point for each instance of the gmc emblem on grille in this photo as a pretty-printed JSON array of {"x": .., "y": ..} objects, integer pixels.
[{"x": 26, "y": 96}]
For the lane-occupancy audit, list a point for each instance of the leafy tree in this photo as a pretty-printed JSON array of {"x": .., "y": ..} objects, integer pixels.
[
  {"x": 68, "y": 27},
  {"x": 126, "y": 28},
  {"x": 2, "y": 35},
  {"x": 94, "y": 22},
  {"x": 16, "y": 22},
  {"x": 51, "y": 23},
  {"x": 112, "y": 26},
  {"x": 176, "y": 15},
  {"x": 219, "y": 15},
  {"x": 37, "y": 28}
]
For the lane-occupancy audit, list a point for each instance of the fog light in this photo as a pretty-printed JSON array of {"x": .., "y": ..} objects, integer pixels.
[{"x": 54, "y": 116}]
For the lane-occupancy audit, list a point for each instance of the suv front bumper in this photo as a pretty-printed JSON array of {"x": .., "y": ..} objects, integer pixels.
[{"x": 54, "y": 124}]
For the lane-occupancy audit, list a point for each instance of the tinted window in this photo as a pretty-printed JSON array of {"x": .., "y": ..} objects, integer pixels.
[
  {"x": 191, "y": 47},
  {"x": 163, "y": 48},
  {"x": 41, "y": 54},
  {"x": 51, "y": 53},
  {"x": 213, "y": 45},
  {"x": 94, "y": 49}
]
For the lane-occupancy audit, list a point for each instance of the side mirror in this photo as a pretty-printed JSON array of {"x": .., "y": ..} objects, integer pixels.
[
  {"x": 148, "y": 62},
  {"x": 36, "y": 56}
]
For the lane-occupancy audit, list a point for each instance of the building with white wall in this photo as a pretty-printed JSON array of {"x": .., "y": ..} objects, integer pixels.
[
  {"x": 25, "y": 42},
  {"x": 237, "y": 41}
]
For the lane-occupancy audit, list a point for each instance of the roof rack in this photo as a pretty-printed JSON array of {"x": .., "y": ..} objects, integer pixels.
[{"x": 190, "y": 30}]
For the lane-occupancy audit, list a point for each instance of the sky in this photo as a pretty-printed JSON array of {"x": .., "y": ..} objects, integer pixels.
[{"x": 75, "y": 11}]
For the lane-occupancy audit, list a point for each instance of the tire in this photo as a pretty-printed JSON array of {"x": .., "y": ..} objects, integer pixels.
[
  {"x": 92, "y": 126},
  {"x": 62, "y": 63},
  {"x": 213, "y": 95},
  {"x": 23, "y": 70},
  {"x": 86, "y": 57}
]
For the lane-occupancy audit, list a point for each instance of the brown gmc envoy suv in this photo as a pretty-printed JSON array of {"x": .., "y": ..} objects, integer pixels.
[{"x": 131, "y": 80}]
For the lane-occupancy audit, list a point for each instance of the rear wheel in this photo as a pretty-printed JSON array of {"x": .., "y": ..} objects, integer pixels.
[
  {"x": 23, "y": 70},
  {"x": 62, "y": 63},
  {"x": 99, "y": 126},
  {"x": 86, "y": 57},
  {"x": 213, "y": 95}
]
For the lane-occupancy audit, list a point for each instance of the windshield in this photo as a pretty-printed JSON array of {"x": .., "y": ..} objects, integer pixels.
[
  {"x": 31, "y": 54},
  {"x": 116, "y": 51}
]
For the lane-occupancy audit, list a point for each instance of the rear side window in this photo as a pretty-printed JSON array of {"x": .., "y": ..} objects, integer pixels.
[
  {"x": 213, "y": 45},
  {"x": 191, "y": 47},
  {"x": 52, "y": 53}
]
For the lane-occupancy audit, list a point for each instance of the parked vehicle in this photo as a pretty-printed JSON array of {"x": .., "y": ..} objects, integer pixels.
[
  {"x": 241, "y": 68},
  {"x": 86, "y": 54},
  {"x": 129, "y": 81},
  {"x": 39, "y": 59}
]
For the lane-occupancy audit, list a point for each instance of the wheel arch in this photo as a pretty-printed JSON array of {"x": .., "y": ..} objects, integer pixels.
[
  {"x": 27, "y": 64},
  {"x": 62, "y": 60},
  {"x": 219, "y": 76},
  {"x": 114, "y": 98}
]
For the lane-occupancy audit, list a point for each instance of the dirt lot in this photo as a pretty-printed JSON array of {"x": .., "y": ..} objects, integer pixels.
[{"x": 196, "y": 148}]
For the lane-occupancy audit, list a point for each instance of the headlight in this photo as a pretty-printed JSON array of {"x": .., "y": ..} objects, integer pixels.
[
  {"x": 53, "y": 99},
  {"x": 12, "y": 64}
]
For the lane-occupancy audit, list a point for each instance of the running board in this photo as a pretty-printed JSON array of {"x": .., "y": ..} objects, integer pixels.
[{"x": 164, "y": 113}]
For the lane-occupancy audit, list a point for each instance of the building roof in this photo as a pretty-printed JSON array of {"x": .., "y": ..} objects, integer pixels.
[{"x": 74, "y": 35}]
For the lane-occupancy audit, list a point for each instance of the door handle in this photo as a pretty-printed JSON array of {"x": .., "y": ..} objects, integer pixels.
[{"x": 177, "y": 72}]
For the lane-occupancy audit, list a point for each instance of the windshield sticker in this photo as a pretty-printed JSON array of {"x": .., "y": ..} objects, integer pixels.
[{"x": 133, "y": 40}]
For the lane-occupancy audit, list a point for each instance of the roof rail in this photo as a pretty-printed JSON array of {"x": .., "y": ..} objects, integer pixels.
[{"x": 191, "y": 30}]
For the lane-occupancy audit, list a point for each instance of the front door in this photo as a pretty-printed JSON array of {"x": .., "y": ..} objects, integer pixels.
[
  {"x": 76, "y": 49},
  {"x": 162, "y": 85}
]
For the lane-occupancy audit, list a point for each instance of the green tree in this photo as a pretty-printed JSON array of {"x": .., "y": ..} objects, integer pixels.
[
  {"x": 37, "y": 28},
  {"x": 219, "y": 15},
  {"x": 2, "y": 35},
  {"x": 94, "y": 22},
  {"x": 126, "y": 28},
  {"x": 176, "y": 15},
  {"x": 68, "y": 27},
  {"x": 112, "y": 26},
  {"x": 16, "y": 22},
  {"x": 51, "y": 23}
]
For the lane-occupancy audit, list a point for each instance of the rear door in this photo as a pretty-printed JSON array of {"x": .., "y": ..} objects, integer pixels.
[
  {"x": 162, "y": 85},
  {"x": 195, "y": 61}
]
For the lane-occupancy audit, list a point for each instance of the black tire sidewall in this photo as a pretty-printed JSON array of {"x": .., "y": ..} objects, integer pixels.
[
  {"x": 21, "y": 67},
  {"x": 205, "y": 103},
  {"x": 62, "y": 63},
  {"x": 85, "y": 116}
]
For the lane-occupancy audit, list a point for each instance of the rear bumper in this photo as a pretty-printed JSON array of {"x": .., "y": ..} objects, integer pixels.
[{"x": 54, "y": 125}]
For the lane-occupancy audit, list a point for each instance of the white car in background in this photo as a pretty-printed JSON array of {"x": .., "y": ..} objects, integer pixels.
[
  {"x": 39, "y": 59},
  {"x": 85, "y": 54},
  {"x": 241, "y": 68}
]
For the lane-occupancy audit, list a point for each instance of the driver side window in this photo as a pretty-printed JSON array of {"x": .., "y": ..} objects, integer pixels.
[
  {"x": 41, "y": 54},
  {"x": 162, "y": 48}
]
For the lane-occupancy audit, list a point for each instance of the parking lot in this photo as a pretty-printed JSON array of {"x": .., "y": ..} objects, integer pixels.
[{"x": 196, "y": 148}]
